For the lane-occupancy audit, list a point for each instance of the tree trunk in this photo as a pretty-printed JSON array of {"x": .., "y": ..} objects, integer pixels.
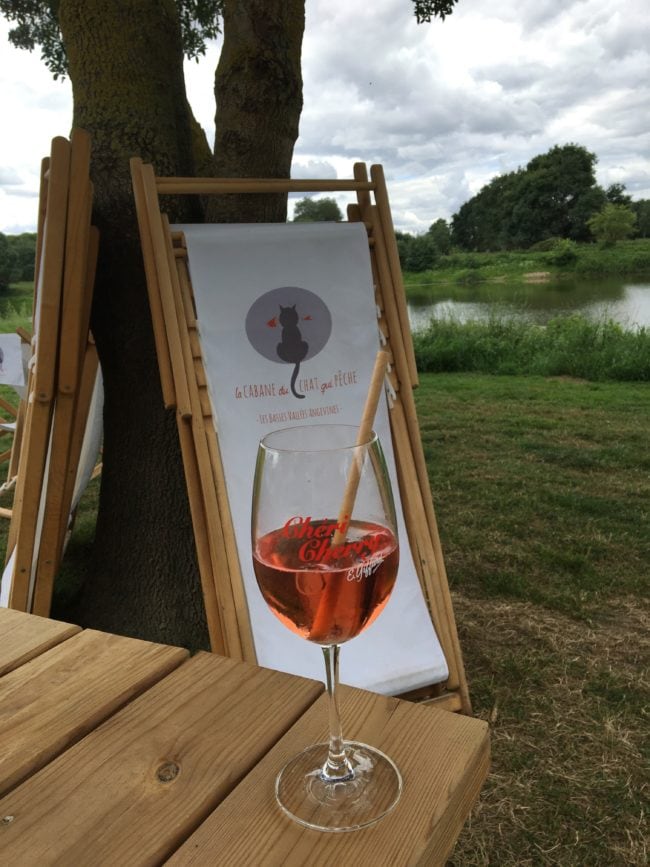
[
  {"x": 125, "y": 64},
  {"x": 258, "y": 89}
]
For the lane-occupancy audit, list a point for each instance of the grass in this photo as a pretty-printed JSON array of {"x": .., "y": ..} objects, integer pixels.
[
  {"x": 567, "y": 346},
  {"x": 625, "y": 257},
  {"x": 544, "y": 486},
  {"x": 567, "y": 707},
  {"x": 15, "y": 314},
  {"x": 16, "y": 307},
  {"x": 542, "y": 492}
]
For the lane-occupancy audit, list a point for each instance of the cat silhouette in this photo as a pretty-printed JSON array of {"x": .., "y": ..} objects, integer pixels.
[{"x": 291, "y": 348}]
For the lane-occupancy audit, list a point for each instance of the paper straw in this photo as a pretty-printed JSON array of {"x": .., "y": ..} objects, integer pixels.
[{"x": 363, "y": 435}]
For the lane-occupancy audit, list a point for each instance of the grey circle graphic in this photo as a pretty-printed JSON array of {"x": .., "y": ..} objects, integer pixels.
[{"x": 267, "y": 326}]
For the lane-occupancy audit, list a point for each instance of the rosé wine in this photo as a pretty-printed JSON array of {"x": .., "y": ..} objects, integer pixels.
[{"x": 325, "y": 592}]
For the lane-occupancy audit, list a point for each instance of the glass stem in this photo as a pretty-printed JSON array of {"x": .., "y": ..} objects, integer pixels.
[{"x": 337, "y": 768}]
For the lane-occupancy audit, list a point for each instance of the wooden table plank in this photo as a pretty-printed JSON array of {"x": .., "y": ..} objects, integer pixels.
[
  {"x": 132, "y": 790},
  {"x": 57, "y": 697},
  {"x": 443, "y": 759},
  {"x": 23, "y": 636}
]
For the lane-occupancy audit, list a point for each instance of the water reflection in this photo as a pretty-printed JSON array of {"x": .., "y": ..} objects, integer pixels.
[{"x": 624, "y": 302}]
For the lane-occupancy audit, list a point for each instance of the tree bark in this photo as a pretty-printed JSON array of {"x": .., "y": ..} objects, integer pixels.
[
  {"x": 125, "y": 64},
  {"x": 258, "y": 90}
]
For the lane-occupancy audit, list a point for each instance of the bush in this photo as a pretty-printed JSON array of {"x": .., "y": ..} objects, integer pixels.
[
  {"x": 621, "y": 259},
  {"x": 567, "y": 346},
  {"x": 417, "y": 253},
  {"x": 469, "y": 260},
  {"x": 564, "y": 253},
  {"x": 544, "y": 246},
  {"x": 471, "y": 275},
  {"x": 613, "y": 223}
]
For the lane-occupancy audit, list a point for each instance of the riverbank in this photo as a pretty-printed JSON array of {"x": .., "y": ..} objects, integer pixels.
[{"x": 564, "y": 260}]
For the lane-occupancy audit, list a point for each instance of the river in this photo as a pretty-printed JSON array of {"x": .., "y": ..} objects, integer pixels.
[{"x": 626, "y": 301}]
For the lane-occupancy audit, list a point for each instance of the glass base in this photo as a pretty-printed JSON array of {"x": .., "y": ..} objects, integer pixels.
[{"x": 310, "y": 799}]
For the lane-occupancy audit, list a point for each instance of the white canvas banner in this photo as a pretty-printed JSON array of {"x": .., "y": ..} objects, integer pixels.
[
  {"x": 12, "y": 371},
  {"x": 244, "y": 278}
]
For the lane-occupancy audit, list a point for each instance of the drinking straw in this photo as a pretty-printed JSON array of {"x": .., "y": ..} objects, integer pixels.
[{"x": 363, "y": 435}]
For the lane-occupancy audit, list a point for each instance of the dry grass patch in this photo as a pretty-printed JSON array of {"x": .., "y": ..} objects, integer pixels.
[{"x": 568, "y": 707}]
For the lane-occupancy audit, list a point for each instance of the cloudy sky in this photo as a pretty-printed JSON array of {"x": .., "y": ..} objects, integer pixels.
[{"x": 443, "y": 106}]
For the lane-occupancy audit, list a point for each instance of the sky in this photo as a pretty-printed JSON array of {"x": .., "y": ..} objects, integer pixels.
[{"x": 444, "y": 107}]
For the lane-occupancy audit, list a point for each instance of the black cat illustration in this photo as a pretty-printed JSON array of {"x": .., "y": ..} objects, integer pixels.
[{"x": 292, "y": 348}]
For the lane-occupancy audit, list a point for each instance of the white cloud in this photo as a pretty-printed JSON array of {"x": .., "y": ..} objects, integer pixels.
[
  {"x": 447, "y": 106},
  {"x": 35, "y": 109},
  {"x": 444, "y": 107}
]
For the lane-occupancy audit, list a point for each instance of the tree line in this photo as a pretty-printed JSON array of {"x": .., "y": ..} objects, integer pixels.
[
  {"x": 555, "y": 196},
  {"x": 17, "y": 252}
]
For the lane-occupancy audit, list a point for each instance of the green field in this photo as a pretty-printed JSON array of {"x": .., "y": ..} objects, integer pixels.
[
  {"x": 542, "y": 487},
  {"x": 542, "y": 492},
  {"x": 16, "y": 307}
]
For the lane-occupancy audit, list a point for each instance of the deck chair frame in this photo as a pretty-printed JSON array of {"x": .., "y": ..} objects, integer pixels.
[
  {"x": 61, "y": 377},
  {"x": 184, "y": 389}
]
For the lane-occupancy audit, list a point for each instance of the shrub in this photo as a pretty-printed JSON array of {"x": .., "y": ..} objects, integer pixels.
[
  {"x": 471, "y": 275},
  {"x": 621, "y": 259},
  {"x": 567, "y": 346},
  {"x": 563, "y": 253},
  {"x": 544, "y": 246},
  {"x": 613, "y": 223}
]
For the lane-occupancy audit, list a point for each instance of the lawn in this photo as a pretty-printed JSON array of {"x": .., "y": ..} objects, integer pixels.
[
  {"x": 542, "y": 487},
  {"x": 542, "y": 492}
]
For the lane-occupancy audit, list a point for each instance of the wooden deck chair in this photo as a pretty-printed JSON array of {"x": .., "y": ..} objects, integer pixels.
[
  {"x": 48, "y": 276},
  {"x": 76, "y": 374},
  {"x": 190, "y": 272},
  {"x": 61, "y": 381}
]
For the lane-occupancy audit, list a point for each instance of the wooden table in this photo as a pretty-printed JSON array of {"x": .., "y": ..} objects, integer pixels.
[{"x": 117, "y": 751}]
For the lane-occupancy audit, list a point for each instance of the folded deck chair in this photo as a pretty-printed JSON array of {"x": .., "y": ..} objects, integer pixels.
[
  {"x": 64, "y": 386},
  {"x": 216, "y": 292}
]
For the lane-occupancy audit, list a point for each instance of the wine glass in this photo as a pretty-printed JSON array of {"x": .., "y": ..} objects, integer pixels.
[{"x": 325, "y": 554}]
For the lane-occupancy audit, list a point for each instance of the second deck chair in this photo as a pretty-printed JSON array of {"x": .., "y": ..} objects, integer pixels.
[
  {"x": 215, "y": 292},
  {"x": 63, "y": 382}
]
